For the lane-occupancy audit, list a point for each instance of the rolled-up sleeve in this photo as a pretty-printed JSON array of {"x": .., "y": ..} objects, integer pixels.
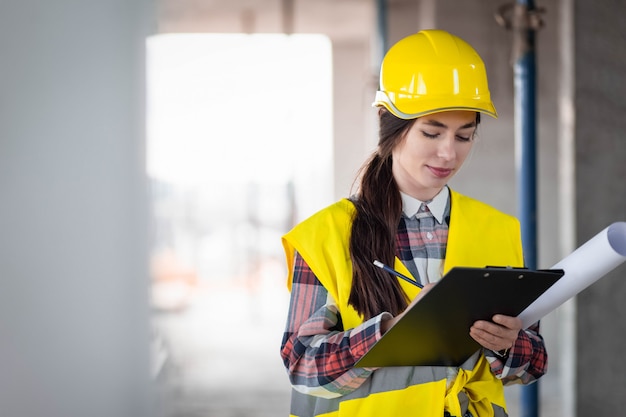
[{"x": 526, "y": 362}]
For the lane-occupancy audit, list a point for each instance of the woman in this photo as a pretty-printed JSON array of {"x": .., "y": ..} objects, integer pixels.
[{"x": 433, "y": 91}]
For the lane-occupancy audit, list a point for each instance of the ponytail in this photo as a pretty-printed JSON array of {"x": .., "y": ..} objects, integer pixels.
[{"x": 373, "y": 237}]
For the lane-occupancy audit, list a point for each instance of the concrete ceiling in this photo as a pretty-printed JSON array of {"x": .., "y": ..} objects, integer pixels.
[{"x": 341, "y": 20}]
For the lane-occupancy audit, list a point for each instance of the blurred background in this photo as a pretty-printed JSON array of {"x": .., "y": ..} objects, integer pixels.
[
  {"x": 153, "y": 153},
  {"x": 239, "y": 147}
]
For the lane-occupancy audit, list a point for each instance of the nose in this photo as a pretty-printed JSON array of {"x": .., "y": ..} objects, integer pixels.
[{"x": 446, "y": 149}]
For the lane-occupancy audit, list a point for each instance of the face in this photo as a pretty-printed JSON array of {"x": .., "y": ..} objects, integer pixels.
[{"x": 432, "y": 151}]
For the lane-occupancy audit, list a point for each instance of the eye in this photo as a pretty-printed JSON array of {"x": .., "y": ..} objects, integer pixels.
[
  {"x": 463, "y": 138},
  {"x": 430, "y": 135}
]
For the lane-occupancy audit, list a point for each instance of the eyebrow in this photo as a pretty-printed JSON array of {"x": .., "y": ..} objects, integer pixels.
[{"x": 437, "y": 123}]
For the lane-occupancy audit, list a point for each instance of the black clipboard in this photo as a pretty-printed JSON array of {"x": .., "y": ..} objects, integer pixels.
[{"x": 435, "y": 331}]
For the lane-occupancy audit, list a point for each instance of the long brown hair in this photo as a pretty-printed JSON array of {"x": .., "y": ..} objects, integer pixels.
[
  {"x": 378, "y": 210},
  {"x": 375, "y": 224}
]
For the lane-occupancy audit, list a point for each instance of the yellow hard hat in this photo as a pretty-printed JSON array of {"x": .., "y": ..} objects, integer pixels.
[{"x": 433, "y": 71}]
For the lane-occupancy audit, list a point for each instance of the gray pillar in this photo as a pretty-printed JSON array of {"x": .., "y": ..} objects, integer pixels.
[
  {"x": 567, "y": 204},
  {"x": 600, "y": 196},
  {"x": 73, "y": 241},
  {"x": 353, "y": 125}
]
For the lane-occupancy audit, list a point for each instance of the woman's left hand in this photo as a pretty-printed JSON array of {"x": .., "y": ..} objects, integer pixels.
[{"x": 498, "y": 334}]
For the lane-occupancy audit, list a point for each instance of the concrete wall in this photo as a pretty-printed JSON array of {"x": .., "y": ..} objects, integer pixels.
[
  {"x": 73, "y": 244},
  {"x": 599, "y": 152}
]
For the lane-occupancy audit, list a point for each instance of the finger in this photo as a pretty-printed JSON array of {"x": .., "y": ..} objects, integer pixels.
[
  {"x": 489, "y": 340},
  {"x": 423, "y": 292},
  {"x": 483, "y": 339},
  {"x": 495, "y": 333},
  {"x": 486, "y": 336},
  {"x": 513, "y": 323},
  {"x": 427, "y": 287},
  {"x": 493, "y": 328}
]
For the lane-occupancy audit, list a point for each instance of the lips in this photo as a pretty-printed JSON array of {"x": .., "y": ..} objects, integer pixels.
[{"x": 440, "y": 172}]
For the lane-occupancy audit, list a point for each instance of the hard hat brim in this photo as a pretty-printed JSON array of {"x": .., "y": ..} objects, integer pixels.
[{"x": 432, "y": 105}]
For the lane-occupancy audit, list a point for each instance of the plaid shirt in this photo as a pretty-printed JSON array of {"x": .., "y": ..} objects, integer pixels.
[{"x": 320, "y": 354}]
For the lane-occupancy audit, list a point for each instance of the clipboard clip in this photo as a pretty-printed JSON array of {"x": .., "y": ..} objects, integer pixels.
[{"x": 506, "y": 267}]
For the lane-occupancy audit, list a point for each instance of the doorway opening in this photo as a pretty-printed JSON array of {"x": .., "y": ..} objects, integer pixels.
[{"x": 239, "y": 149}]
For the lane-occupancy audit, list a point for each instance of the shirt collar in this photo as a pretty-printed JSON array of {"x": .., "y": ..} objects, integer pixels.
[{"x": 437, "y": 205}]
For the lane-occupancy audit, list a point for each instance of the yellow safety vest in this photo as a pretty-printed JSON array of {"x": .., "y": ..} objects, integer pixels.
[{"x": 478, "y": 235}]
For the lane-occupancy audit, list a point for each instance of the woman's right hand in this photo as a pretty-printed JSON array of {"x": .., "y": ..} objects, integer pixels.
[{"x": 387, "y": 324}]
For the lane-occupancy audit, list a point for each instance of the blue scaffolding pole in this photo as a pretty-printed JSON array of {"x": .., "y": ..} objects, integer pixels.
[
  {"x": 381, "y": 29},
  {"x": 525, "y": 21},
  {"x": 526, "y": 154}
]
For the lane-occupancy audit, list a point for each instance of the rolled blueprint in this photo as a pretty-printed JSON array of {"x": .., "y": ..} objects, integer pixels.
[{"x": 587, "y": 264}]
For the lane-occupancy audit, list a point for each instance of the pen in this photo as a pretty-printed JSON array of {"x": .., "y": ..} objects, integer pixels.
[{"x": 396, "y": 273}]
